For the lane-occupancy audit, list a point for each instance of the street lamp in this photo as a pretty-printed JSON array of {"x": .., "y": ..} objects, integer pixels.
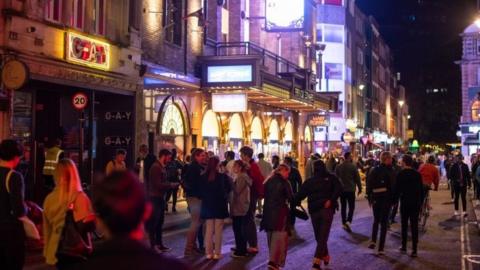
[
  {"x": 401, "y": 102},
  {"x": 361, "y": 86},
  {"x": 409, "y": 116}
]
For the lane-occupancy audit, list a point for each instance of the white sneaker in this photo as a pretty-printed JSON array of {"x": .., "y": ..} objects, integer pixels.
[{"x": 456, "y": 213}]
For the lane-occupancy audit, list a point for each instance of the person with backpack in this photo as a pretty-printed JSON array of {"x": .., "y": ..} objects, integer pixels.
[
  {"x": 12, "y": 234},
  {"x": 379, "y": 194}
]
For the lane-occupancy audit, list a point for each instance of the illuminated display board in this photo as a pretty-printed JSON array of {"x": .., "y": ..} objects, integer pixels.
[
  {"x": 229, "y": 102},
  {"x": 87, "y": 51},
  {"x": 228, "y": 74},
  {"x": 285, "y": 15}
]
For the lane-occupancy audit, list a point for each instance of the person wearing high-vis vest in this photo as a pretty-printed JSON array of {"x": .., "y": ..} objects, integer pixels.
[{"x": 53, "y": 154}]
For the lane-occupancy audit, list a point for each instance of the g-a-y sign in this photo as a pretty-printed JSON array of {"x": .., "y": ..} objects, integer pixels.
[{"x": 87, "y": 51}]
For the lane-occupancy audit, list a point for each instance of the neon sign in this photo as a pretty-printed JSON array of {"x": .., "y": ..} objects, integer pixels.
[{"x": 87, "y": 51}]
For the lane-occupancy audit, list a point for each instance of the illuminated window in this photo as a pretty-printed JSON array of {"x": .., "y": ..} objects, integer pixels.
[
  {"x": 333, "y": 33},
  {"x": 333, "y": 71},
  {"x": 99, "y": 19},
  {"x": 235, "y": 127},
  {"x": 288, "y": 132},
  {"x": 78, "y": 14},
  {"x": 476, "y": 111},
  {"x": 210, "y": 125},
  {"x": 256, "y": 129},
  {"x": 172, "y": 121},
  {"x": 53, "y": 10},
  {"x": 172, "y": 21}
]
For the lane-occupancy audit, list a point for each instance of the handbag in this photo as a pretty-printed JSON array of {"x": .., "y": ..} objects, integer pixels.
[
  {"x": 300, "y": 212},
  {"x": 31, "y": 230},
  {"x": 72, "y": 244}
]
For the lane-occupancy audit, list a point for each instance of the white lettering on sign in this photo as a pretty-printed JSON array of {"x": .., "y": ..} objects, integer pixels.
[
  {"x": 117, "y": 140},
  {"x": 118, "y": 116}
]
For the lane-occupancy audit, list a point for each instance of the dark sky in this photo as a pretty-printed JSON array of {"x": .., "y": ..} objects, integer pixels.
[{"x": 424, "y": 37}]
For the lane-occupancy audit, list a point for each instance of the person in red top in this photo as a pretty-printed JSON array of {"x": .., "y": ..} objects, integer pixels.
[
  {"x": 430, "y": 173},
  {"x": 246, "y": 154}
]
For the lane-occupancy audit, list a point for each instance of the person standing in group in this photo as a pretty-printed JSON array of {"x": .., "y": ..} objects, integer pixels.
[
  {"x": 460, "y": 176},
  {"x": 12, "y": 207},
  {"x": 322, "y": 191},
  {"x": 409, "y": 190},
  {"x": 276, "y": 215},
  {"x": 228, "y": 162},
  {"x": 121, "y": 208},
  {"x": 331, "y": 163},
  {"x": 309, "y": 166},
  {"x": 379, "y": 193},
  {"x": 215, "y": 189},
  {"x": 192, "y": 186},
  {"x": 174, "y": 171},
  {"x": 246, "y": 154},
  {"x": 239, "y": 207},
  {"x": 430, "y": 175},
  {"x": 275, "y": 161},
  {"x": 394, "y": 209},
  {"x": 476, "y": 187},
  {"x": 266, "y": 169},
  {"x": 158, "y": 186},
  {"x": 144, "y": 162},
  {"x": 295, "y": 180},
  {"x": 118, "y": 163},
  {"x": 448, "y": 165},
  {"x": 68, "y": 194},
  {"x": 53, "y": 154},
  {"x": 348, "y": 174}
]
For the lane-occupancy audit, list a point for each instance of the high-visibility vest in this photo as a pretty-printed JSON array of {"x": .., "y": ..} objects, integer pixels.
[{"x": 51, "y": 159}]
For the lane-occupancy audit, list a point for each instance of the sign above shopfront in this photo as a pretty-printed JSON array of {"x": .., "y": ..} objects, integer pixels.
[
  {"x": 229, "y": 102},
  {"x": 14, "y": 74},
  {"x": 318, "y": 120},
  {"x": 230, "y": 74},
  {"x": 87, "y": 51}
]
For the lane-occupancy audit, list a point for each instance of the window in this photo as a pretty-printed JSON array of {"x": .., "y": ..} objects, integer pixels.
[
  {"x": 333, "y": 71},
  {"x": 78, "y": 14},
  {"x": 476, "y": 111},
  {"x": 53, "y": 10},
  {"x": 333, "y": 33},
  {"x": 172, "y": 21},
  {"x": 319, "y": 33},
  {"x": 99, "y": 18},
  {"x": 333, "y": 2},
  {"x": 133, "y": 17}
]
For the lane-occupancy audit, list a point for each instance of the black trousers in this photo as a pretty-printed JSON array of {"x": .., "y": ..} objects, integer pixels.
[
  {"x": 410, "y": 214},
  {"x": 250, "y": 226},
  {"x": 452, "y": 189},
  {"x": 155, "y": 224},
  {"x": 322, "y": 223},
  {"x": 171, "y": 193},
  {"x": 393, "y": 212},
  {"x": 12, "y": 246},
  {"x": 461, "y": 192},
  {"x": 240, "y": 235},
  {"x": 381, "y": 209},
  {"x": 347, "y": 199}
]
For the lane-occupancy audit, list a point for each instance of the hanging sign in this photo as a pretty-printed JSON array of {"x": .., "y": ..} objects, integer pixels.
[
  {"x": 14, "y": 74},
  {"x": 80, "y": 101}
]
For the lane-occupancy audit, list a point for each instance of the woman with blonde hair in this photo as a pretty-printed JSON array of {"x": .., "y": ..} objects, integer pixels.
[{"x": 68, "y": 194}]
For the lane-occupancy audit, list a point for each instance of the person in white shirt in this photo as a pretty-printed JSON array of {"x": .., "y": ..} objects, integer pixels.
[{"x": 266, "y": 169}]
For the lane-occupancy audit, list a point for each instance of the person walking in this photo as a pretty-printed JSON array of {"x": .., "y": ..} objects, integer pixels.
[
  {"x": 266, "y": 169},
  {"x": 379, "y": 194},
  {"x": 68, "y": 194},
  {"x": 121, "y": 207},
  {"x": 239, "y": 207},
  {"x": 12, "y": 234},
  {"x": 275, "y": 161},
  {"x": 215, "y": 189},
  {"x": 295, "y": 180},
  {"x": 192, "y": 186},
  {"x": 448, "y": 165},
  {"x": 253, "y": 171},
  {"x": 118, "y": 163},
  {"x": 347, "y": 172},
  {"x": 460, "y": 176},
  {"x": 276, "y": 213},
  {"x": 53, "y": 154},
  {"x": 174, "y": 171},
  {"x": 157, "y": 188},
  {"x": 322, "y": 191},
  {"x": 143, "y": 163},
  {"x": 309, "y": 166},
  {"x": 409, "y": 190}
]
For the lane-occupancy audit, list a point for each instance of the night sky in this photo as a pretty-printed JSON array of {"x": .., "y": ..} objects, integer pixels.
[{"x": 424, "y": 37}]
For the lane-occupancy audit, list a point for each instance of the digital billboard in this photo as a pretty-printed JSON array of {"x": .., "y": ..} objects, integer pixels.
[
  {"x": 284, "y": 15},
  {"x": 233, "y": 73}
]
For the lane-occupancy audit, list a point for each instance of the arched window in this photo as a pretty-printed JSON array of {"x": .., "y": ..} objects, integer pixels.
[
  {"x": 288, "y": 137},
  {"x": 273, "y": 131},
  {"x": 210, "y": 125},
  {"x": 235, "y": 128},
  {"x": 476, "y": 111},
  {"x": 256, "y": 129},
  {"x": 172, "y": 122}
]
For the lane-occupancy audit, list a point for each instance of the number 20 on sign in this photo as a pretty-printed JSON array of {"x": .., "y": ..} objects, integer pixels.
[{"x": 80, "y": 101}]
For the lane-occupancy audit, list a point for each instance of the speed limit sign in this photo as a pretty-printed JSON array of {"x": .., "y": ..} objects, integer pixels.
[{"x": 80, "y": 101}]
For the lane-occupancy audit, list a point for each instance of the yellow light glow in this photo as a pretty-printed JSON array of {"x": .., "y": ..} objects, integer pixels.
[{"x": 94, "y": 47}]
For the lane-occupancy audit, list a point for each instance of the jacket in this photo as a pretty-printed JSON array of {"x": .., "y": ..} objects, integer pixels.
[
  {"x": 455, "y": 175},
  {"x": 241, "y": 195},
  {"x": 265, "y": 168},
  {"x": 295, "y": 179},
  {"x": 430, "y": 175},
  {"x": 348, "y": 175},
  {"x": 278, "y": 195},
  {"x": 409, "y": 189},
  {"x": 257, "y": 178},
  {"x": 192, "y": 180},
  {"x": 319, "y": 189},
  {"x": 380, "y": 183},
  {"x": 52, "y": 156},
  {"x": 215, "y": 197},
  {"x": 11, "y": 203},
  {"x": 158, "y": 183}
]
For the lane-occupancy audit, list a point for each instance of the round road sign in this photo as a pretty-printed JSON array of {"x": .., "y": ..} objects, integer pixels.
[{"x": 80, "y": 101}]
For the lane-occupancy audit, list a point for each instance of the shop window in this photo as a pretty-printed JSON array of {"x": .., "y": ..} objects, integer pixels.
[
  {"x": 53, "y": 10},
  {"x": 78, "y": 14},
  {"x": 333, "y": 33},
  {"x": 476, "y": 111},
  {"x": 172, "y": 21},
  {"x": 99, "y": 16}
]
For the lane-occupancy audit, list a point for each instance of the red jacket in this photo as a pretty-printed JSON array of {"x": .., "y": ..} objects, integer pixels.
[
  {"x": 257, "y": 177},
  {"x": 430, "y": 174}
]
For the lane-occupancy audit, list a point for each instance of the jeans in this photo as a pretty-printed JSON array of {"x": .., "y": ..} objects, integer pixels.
[
  {"x": 213, "y": 236},
  {"x": 322, "y": 223},
  {"x": 381, "y": 209},
  {"x": 277, "y": 246},
  {"x": 172, "y": 193},
  {"x": 12, "y": 246},
  {"x": 155, "y": 224},
  {"x": 409, "y": 214},
  {"x": 240, "y": 235},
  {"x": 347, "y": 198},
  {"x": 194, "y": 206},
  {"x": 461, "y": 191},
  {"x": 250, "y": 226}
]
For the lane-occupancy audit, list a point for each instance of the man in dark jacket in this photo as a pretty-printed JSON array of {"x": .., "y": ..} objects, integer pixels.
[
  {"x": 460, "y": 177},
  {"x": 348, "y": 174},
  {"x": 295, "y": 180},
  {"x": 174, "y": 170},
  {"x": 379, "y": 193},
  {"x": 158, "y": 186},
  {"x": 409, "y": 189},
  {"x": 119, "y": 202},
  {"x": 144, "y": 162}
]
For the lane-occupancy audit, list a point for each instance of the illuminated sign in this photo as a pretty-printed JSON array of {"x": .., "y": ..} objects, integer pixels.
[
  {"x": 227, "y": 74},
  {"x": 87, "y": 51},
  {"x": 318, "y": 120},
  {"x": 284, "y": 15},
  {"x": 229, "y": 102}
]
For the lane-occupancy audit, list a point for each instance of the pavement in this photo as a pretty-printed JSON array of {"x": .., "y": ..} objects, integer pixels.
[{"x": 449, "y": 243}]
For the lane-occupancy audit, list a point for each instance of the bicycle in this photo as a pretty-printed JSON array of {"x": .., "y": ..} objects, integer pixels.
[{"x": 425, "y": 210}]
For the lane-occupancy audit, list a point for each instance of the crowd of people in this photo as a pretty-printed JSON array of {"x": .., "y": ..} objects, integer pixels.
[{"x": 124, "y": 204}]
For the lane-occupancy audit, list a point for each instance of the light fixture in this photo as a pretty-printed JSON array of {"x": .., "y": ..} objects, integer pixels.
[
  {"x": 361, "y": 86},
  {"x": 409, "y": 116},
  {"x": 401, "y": 102}
]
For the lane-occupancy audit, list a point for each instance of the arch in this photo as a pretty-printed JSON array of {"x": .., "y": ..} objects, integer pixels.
[
  {"x": 256, "y": 129},
  {"x": 288, "y": 132},
  {"x": 172, "y": 121},
  {"x": 210, "y": 125},
  {"x": 179, "y": 107},
  {"x": 475, "y": 110},
  {"x": 235, "y": 127},
  {"x": 307, "y": 136},
  {"x": 273, "y": 131}
]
